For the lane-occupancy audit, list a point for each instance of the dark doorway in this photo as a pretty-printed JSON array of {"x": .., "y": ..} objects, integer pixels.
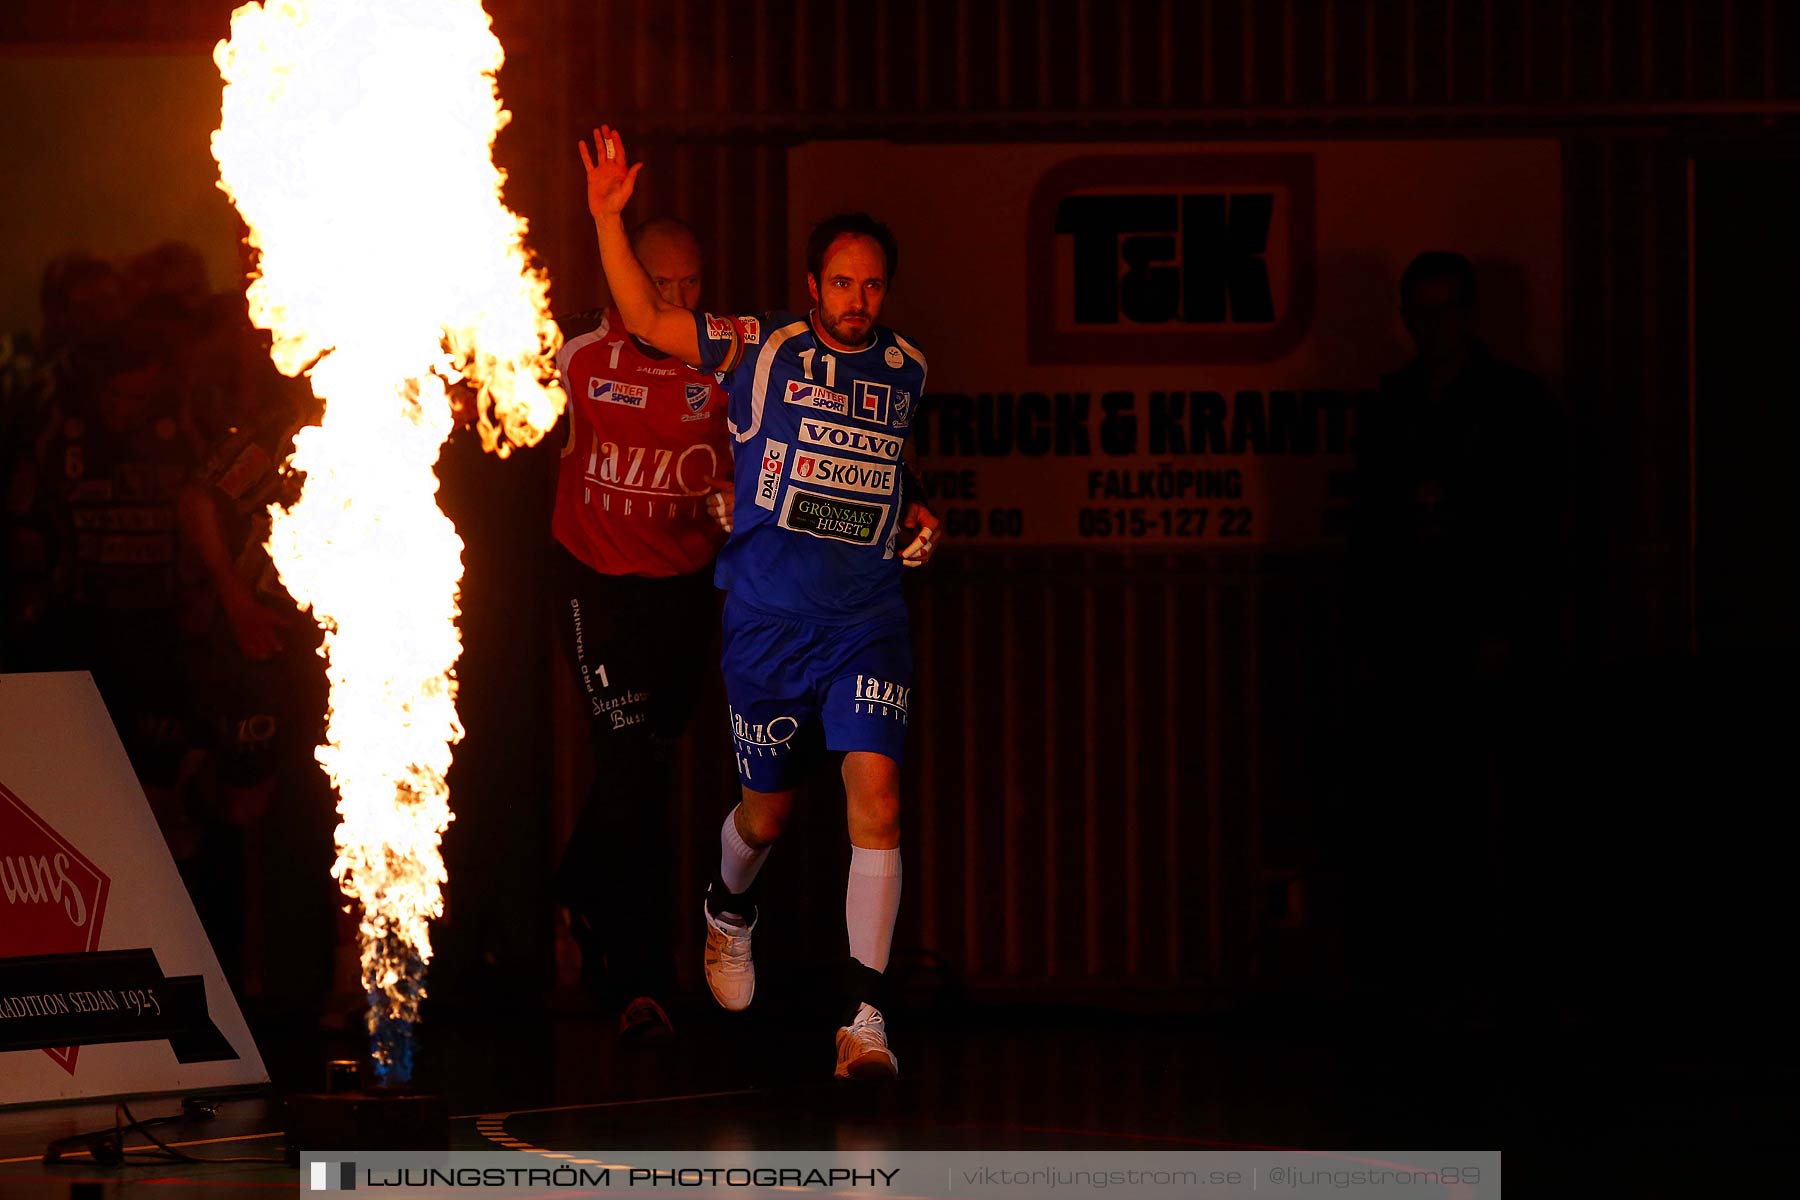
[{"x": 1746, "y": 247}]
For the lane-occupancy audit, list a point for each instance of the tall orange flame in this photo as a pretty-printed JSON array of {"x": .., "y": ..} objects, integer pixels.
[{"x": 356, "y": 140}]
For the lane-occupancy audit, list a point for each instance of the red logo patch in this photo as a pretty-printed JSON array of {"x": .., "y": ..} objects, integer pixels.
[{"x": 52, "y": 899}]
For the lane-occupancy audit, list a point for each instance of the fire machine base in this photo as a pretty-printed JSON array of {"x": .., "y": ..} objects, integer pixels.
[{"x": 375, "y": 1118}]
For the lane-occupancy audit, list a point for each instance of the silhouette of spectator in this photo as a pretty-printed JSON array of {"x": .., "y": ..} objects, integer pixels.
[
  {"x": 173, "y": 270},
  {"x": 1455, "y": 553},
  {"x": 1458, "y": 484},
  {"x": 141, "y": 439},
  {"x": 257, "y": 696},
  {"x": 27, "y": 541},
  {"x": 116, "y": 462},
  {"x": 82, "y": 298},
  {"x": 83, "y": 303}
]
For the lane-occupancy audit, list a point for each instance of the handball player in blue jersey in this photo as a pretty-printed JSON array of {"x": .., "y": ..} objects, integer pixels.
[{"x": 822, "y": 526}]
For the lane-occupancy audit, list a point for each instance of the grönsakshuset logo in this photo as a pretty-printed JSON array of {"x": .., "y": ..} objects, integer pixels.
[{"x": 52, "y": 899}]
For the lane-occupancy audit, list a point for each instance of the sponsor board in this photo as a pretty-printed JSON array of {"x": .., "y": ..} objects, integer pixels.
[
  {"x": 769, "y": 482},
  {"x": 853, "y": 441},
  {"x": 882, "y": 697},
  {"x": 108, "y": 985},
  {"x": 874, "y": 401},
  {"x": 768, "y": 735},
  {"x": 611, "y": 391},
  {"x": 812, "y": 395},
  {"x": 651, "y": 470},
  {"x": 833, "y": 517},
  {"x": 871, "y": 478},
  {"x": 1200, "y": 323}
]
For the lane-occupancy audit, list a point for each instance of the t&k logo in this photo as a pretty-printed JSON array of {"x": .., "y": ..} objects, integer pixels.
[{"x": 1189, "y": 258}]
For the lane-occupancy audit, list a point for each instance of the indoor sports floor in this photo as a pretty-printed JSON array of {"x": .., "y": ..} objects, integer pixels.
[{"x": 989, "y": 1077}]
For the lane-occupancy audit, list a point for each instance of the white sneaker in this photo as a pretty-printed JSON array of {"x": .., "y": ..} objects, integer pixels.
[
  {"x": 730, "y": 973},
  {"x": 862, "y": 1049}
]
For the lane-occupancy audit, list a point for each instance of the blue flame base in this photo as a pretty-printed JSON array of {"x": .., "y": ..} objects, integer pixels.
[
  {"x": 391, "y": 1036},
  {"x": 391, "y": 1044}
]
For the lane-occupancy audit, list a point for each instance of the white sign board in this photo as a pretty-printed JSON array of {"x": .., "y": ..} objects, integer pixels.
[{"x": 108, "y": 985}]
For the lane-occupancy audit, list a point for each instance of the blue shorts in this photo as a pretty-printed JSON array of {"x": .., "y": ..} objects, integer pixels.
[{"x": 783, "y": 674}]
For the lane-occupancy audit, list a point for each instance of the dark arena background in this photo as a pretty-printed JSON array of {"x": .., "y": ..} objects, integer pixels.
[{"x": 1299, "y": 757}]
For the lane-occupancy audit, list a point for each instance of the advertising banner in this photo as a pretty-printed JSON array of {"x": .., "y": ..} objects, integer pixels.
[
  {"x": 108, "y": 985},
  {"x": 1166, "y": 344}
]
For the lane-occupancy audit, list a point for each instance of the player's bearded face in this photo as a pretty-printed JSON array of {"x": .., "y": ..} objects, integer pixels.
[{"x": 849, "y": 289}]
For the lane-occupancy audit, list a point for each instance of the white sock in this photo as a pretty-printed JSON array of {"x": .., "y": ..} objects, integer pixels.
[
  {"x": 872, "y": 904},
  {"x": 738, "y": 860}
]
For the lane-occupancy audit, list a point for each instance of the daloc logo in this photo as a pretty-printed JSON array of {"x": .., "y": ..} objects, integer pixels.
[{"x": 1172, "y": 258}]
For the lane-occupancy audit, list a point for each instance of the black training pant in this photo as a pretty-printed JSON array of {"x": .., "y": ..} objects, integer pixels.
[{"x": 640, "y": 649}]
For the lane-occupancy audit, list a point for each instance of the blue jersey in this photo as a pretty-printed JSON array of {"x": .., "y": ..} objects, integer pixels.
[{"x": 817, "y": 434}]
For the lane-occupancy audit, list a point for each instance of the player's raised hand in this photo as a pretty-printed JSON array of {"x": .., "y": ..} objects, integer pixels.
[
  {"x": 918, "y": 551},
  {"x": 609, "y": 182},
  {"x": 720, "y": 500}
]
